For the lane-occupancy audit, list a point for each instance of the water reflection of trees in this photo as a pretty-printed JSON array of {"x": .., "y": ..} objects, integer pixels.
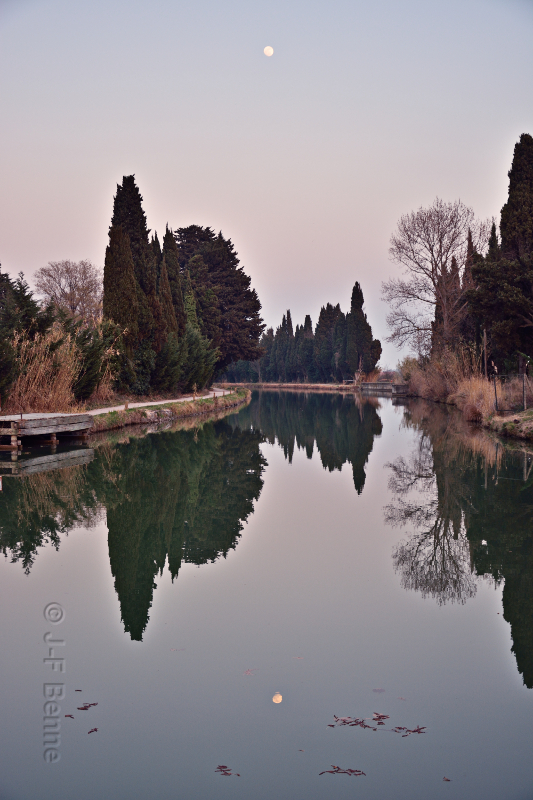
[
  {"x": 181, "y": 496},
  {"x": 36, "y": 510},
  {"x": 469, "y": 505},
  {"x": 343, "y": 427}
]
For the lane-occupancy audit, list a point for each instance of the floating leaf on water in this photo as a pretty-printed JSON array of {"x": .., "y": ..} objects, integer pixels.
[{"x": 355, "y": 773}]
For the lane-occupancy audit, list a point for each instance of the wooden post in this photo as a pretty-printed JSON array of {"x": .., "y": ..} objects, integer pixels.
[
  {"x": 485, "y": 350},
  {"x": 524, "y": 389},
  {"x": 126, "y": 404},
  {"x": 495, "y": 394}
]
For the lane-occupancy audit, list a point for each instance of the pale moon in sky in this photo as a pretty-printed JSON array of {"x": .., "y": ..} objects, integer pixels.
[
  {"x": 277, "y": 698},
  {"x": 269, "y": 51}
]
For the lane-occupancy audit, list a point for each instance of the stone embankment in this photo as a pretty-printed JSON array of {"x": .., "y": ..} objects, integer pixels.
[{"x": 170, "y": 411}]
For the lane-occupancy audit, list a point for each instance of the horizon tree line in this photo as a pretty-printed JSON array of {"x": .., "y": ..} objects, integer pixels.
[{"x": 340, "y": 346}]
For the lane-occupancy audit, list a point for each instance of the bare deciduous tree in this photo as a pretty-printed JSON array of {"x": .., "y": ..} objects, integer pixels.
[
  {"x": 431, "y": 245},
  {"x": 73, "y": 287}
]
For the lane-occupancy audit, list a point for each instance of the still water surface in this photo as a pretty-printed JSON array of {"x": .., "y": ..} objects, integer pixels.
[{"x": 349, "y": 558}]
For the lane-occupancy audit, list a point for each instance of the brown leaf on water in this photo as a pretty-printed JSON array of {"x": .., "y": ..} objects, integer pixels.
[
  {"x": 352, "y": 773},
  {"x": 222, "y": 769},
  {"x": 447, "y": 779}
]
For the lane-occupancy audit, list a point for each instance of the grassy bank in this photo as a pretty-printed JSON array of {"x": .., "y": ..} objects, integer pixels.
[{"x": 167, "y": 412}]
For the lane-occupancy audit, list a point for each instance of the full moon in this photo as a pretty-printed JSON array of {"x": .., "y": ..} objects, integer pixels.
[
  {"x": 277, "y": 698},
  {"x": 268, "y": 51}
]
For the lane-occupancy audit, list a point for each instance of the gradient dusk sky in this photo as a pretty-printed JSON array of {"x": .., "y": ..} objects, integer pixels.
[{"x": 366, "y": 111}]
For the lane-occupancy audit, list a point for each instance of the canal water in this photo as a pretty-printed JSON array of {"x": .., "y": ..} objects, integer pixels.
[{"x": 313, "y": 585}]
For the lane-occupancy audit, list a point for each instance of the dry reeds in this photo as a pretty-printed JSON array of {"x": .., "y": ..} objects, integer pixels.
[
  {"x": 474, "y": 395},
  {"x": 455, "y": 378},
  {"x": 48, "y": 367}
]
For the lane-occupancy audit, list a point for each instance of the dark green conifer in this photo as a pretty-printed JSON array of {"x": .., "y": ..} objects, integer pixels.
[
  {"x": 207, "y": 307},
  {"x": 190, "y": 303},
  {"x": 158, "y": 254},
  {"x": 120, "y": 288},
  {"x": 362, "y": 352},
  {"x": 169, "y": 320},
  {"x": 516, "y": 224},
  {"x": 171, "y": 255},
  {"x": 323, "y": 341},
  {"x": 306, "y": 351},
  {"x": 240, "y": 323},
  {"x": 128, "y": 214}
]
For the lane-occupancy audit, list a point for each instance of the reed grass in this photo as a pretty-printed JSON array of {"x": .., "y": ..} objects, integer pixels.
[
  {"x": 456, "y": 378},
  {"x": 48, "y": 367}
]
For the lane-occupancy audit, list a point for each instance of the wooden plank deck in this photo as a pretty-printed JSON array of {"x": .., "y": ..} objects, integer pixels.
[{"x": 17, "y": 426}]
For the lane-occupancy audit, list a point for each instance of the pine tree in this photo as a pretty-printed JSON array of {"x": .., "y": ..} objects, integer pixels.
[
  {"x": 120, "y": 288},
  {"x": 240, "y": 325},
  {"x": 207, "y": 307}
]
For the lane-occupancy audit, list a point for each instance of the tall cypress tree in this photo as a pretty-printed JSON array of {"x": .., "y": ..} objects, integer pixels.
[
  {"x": 362, "y": 352},
  {"x": 120, "y": 288},
  {"x": 323, "y": 341},
  {"x": 306, "y": 351},
  {"x": 190, "y": 304},
  {"x": 128, "y": 214},
  {"x": 169, "y": 320},
  {"x": 516, "y": 224},
  {"x": 502, "y": 299},
  {"x": 171, "y": 256}
]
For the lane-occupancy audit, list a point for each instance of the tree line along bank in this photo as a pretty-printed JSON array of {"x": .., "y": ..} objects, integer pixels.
[
  {"x": 340, "y": 346},
  {"x": 172, "y": 315}
]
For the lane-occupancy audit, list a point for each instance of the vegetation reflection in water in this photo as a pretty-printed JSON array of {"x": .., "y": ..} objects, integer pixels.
[
  {"x": 469, "y": 503},
  {"x": 466, "y": 500},
  {"x": 181, "y": 496}
]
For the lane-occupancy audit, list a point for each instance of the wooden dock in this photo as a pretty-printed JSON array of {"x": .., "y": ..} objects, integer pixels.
[{"x": 33, "y": 427}]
